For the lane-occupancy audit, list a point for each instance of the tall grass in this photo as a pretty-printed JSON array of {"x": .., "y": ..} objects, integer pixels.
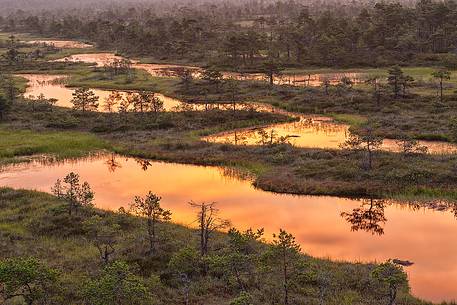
[{"x": 63, "y": 144}]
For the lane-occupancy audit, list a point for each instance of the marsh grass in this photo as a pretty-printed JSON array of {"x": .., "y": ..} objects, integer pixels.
[
  {"x": 96, "y": 78},
  {"x": 63, "y": 144},
  {"x": 37, "y": 224}
]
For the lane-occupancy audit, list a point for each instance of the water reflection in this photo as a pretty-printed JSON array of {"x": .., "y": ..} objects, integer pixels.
[
  {"x": 423, "y": 234},
  {"x": 302, "y": 79},
  {"x": 112, "y": 163},
  {"x": 53, "y": 86},
  {"x": 100, "y": 59},
  {"x": 369, "y": 217},
  {"x": 169, "y": 70},
  {"x": 61, "y": 44},
  {"x": 313, "y": 132},
  {"x": 307, "y": 131}
]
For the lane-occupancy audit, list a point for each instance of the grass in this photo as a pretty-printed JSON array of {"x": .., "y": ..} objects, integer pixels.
[
  {"x": 176, "y": 137},
  {"x": 425, "y": 194},
  {"x": 62, "y": 144},
  {"x": 351, "y": 119},
  {"x": 94, "y": 78},
  {"x": 276, "y": 168},
  {"x": 37, "y": 224}
]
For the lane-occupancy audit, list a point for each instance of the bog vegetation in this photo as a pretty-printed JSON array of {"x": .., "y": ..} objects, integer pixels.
[
  {"x": 136, "y": 256},
  {"x": 61, "y": 249},
  {"x": 254, "y": 35}
]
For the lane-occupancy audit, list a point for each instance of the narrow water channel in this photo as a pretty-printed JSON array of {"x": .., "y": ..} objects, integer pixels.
[
  {"x": 423, "y": 235},
  {"x": 61, "y": 44},
  {"x": 307, "y": 132},
  {"x": 53, "y": 86},
  {"x": 169, "y": 70}
]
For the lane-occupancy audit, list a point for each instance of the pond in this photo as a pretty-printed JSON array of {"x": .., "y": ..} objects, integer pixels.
[
  {"x": 61, "y": 44},
  {"x": 100, "y": 59},
  {"x": 168, "y": 70},
  {"x": 368, "y": 230},
  {"x": 314, "y": 132},
  {"x": 308, "y": 131},
  {"x": 302, "y": 79},
  {"x": 53, "y": 86}
]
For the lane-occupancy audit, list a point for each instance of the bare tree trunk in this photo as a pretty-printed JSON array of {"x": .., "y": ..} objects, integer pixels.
[
  {"x": 392, "y": 296},
  {"x": 238, "y": 278},
  {"x": 151, "y": 234},
  {"x": 369, "y": 156},
  {"x": 286, "y": 290},
  {"x": 202, "y": 231},
  {"x": 441, "y": 90}
]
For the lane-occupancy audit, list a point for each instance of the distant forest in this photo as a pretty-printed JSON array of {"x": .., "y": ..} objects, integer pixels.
[
  {"x": 37, "y": 5},
  {"x": 245, "y": 34}
]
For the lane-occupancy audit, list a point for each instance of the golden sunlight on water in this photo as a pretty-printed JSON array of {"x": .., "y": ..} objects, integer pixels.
[
  {"x": 308, "y": 132},
  {"x": 168, "y": 70},
  {"x": 53, "y": 86},
  {"x": 301, "y": 79},
  {"x": 313, "y": 132},
  {"x": 100, "y": 59},
  {"x": 62, "y": 44},
  {"x": 424, "y": 236}
]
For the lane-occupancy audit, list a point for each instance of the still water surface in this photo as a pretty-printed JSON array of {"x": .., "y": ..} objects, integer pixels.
[
  {"x": 426, "y": 236},
  {"x": 166, "y": 70},
  {"x": 314, "y": 132},
  {"x": 307, "y": 132},
  {"x": 53, "y": 86},
  {"x": 62, "y": 44}
]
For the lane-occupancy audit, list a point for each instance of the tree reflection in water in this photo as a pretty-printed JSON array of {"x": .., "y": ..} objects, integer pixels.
[
  {"x": 112, "y": 164},
  {"x": 143, "y": 163},
  {"x": 368, "y": 217}
]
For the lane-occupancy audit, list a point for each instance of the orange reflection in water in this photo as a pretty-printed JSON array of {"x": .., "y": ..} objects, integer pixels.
[
  {"x": 62, "y": 44},
  {"x": 309, "y": 132},
  {"x": 53, "y": 86},
  {"x": 169, "y": 70},
  {"x": 313, "y": 132},
  {"x": 424, "y": 236},
  {"x": 301, "y": 79},
  {"x": 100, "y": 59}
]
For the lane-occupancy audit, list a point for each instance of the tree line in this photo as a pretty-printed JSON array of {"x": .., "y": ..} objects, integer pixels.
[{"x": 372, "y": 35}]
